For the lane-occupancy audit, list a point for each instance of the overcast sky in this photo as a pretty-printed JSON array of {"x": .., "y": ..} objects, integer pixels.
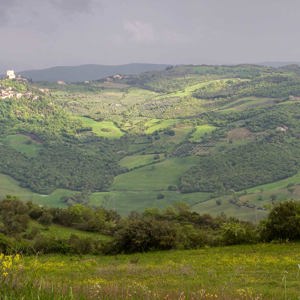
[{"x": 42, "y": 33}]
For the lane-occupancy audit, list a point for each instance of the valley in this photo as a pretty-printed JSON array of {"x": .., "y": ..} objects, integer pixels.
[{"x": 222, "y": 139}]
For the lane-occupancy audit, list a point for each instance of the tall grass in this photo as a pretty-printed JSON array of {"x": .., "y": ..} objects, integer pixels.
[{"x": 253, "y": 272}]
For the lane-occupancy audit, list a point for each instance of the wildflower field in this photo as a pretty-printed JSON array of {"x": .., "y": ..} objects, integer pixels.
[{"x": 264, "y": 271}]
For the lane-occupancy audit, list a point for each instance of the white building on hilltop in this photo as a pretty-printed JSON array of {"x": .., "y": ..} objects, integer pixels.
[{"x": 10, "y": 74}]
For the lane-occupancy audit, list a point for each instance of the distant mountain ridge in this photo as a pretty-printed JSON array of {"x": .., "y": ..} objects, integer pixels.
[
  {"x": 88, "y": 72},
  {"x": 278, "y": 64}
]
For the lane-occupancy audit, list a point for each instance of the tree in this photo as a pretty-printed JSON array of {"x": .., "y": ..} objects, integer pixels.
[
  {"x": 45, "y": 219},
  {"x": 283, "y": 222},
  {"x": 143, "y": 234}
]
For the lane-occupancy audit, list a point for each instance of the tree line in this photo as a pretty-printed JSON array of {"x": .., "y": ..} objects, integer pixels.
[{"x": 23, "y": 228}]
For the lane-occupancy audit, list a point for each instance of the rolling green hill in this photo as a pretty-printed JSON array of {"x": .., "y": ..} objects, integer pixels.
[
  {"x": 210, "y": 136},
  {"x": 87, "y": 72}
]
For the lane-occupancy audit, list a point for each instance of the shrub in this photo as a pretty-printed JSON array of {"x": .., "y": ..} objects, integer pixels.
[
  {"x": 144, "y": 234},
  {"x": 234, "y": 232}
]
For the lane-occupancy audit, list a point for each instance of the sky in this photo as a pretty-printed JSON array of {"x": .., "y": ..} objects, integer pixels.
[{"x": 42, "y": 33}]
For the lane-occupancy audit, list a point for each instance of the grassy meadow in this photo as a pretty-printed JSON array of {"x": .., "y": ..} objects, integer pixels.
[
  {"x": 132, "y": 191},
  {"x": 263, "y": 271},
  {"x": 135, "y": 161},
  {"x": 200, "y": 131},
  {"x": 22, "y": 143},
  {"x": 9, "y": 186},
  {"x": 106, "y": 129},
  {"x": 155, "y": 177},
  {"x": 155, "y": 125},
  {"x": 123, "y": 201}
]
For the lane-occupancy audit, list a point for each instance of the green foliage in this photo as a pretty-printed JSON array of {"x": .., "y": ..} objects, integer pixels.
[
  {"x": 13, "y": 216},
  {"x": 106, "y": 129},
  {"x": 38, "y": 116},
  {"x": 234, "y": 233},
  {"x": 283, "y": 222},
  {"x": 74, "y": 142},
  {"x": 60, "y": 165},
  {"x": 273, "y": 86},
  {"x": 201, "y": 131},
  {"x": 140, "y": 235},
  {"x": 242, "y": 167}
]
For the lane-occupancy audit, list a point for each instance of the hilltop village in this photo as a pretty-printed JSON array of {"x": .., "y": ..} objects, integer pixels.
[{"x": 8, "y": 92}]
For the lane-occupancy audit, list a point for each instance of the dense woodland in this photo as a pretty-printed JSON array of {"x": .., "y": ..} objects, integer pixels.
[{"x": 266, "y": 160}]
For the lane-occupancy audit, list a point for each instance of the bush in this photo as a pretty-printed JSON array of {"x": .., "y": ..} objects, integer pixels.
[
  {"x": 238, "y": 233},
  {"x": 50, "y": 245},
  {"x": 160, "y": 196},
  {"x": 144, "y": 234}
]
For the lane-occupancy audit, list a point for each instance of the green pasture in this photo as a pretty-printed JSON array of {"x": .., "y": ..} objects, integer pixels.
[
  {"x": 126, "y": 201},
  {"x": 9, "y": 186},
  {"x": 23, "y": 144},
  {"x": 135, "y": 161},
  {"x": 157, "y": 124},
  {"x": 243, "y": 213},
  {"x": 106, "y": 129},
  {"x": 277, "y": 184},
  {"x": 200, "y": 131},
  {"x": 181, "y": 132},
  {"x": 242, "y": 104},
  {"x": 136, "y": 95},
  {"x": 189, "y": 89},
  {"x": 154, "y": 177},
  {"x": 261, "y": 196},
  {"x": 61, "y": 232}
]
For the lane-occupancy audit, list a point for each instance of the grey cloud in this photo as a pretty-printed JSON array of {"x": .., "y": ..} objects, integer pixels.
[
  {"x": 73, "y": 6},
  {"x": 5, "y": 8},
  {"x": 53, "y": 32}
]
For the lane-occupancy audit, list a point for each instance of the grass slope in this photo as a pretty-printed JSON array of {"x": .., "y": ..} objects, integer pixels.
[
  {"x": 135, "y": 161},
  {"x": 200, "y": 131},
  {"x": 23, "y": 144},
  {"x": 126, "y": 201},
  {"x": 156, "y": 125},
  {"x": 238, "y": 272},
  {"x": 106, "y": 129},
  {"x": 61, "y": 232},
  {"x": 9, "y": 186},
  {"x": 155, "y": 177}
]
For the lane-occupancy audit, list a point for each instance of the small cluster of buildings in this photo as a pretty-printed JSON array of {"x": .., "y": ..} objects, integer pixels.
[
  {"x": 9, "y": 92},
  {"x": 114, "y": 77}
]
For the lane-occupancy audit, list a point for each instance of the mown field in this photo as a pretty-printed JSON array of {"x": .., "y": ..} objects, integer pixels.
[{"x": 264, "y": 271}]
